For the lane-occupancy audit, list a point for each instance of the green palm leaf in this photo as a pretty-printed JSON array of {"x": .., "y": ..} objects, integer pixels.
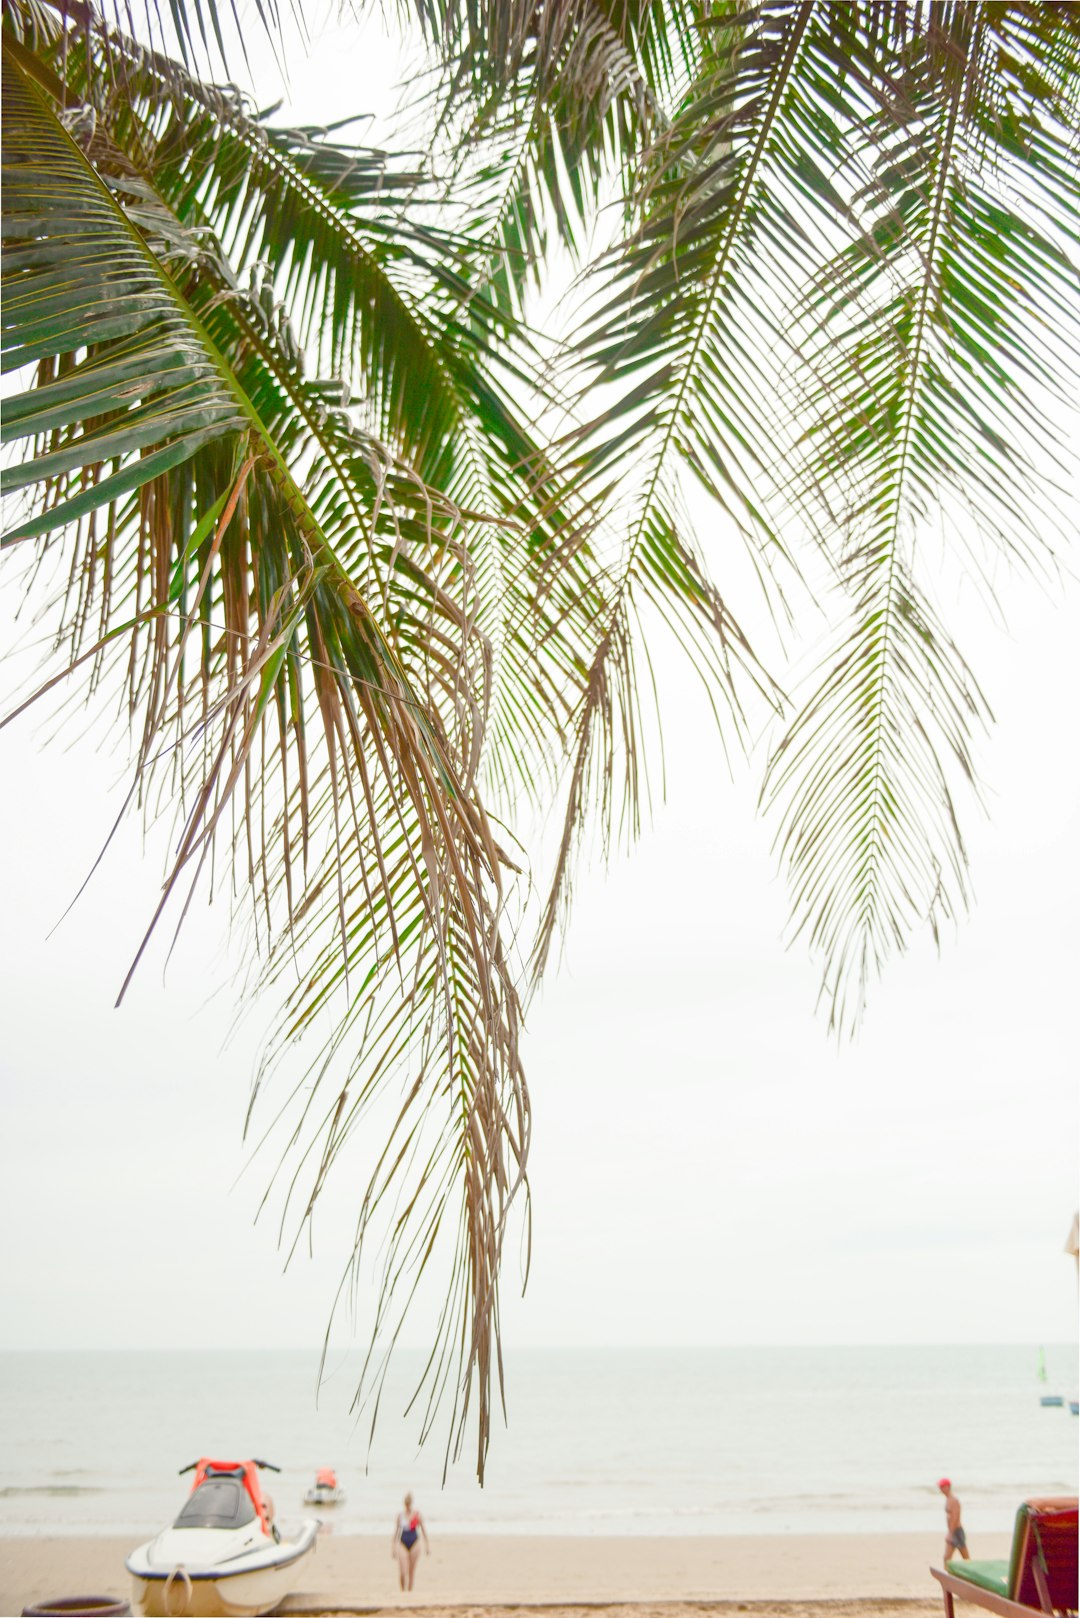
[
  {"x": 934, "y": 342},
  {"x": 76, "y": 276},
  {"x": 217, "y": 562}
]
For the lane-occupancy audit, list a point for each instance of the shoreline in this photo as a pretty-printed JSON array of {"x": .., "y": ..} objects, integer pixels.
[{"x": 848, "y": 1575}]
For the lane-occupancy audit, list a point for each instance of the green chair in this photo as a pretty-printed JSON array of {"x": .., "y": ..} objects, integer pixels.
[{"x": 1040, "y": 1575}]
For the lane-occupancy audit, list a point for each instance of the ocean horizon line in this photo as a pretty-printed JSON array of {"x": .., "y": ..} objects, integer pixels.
[{"x": 539, "y": 1348}]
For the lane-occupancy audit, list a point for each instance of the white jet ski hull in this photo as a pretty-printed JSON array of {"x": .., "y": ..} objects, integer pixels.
[
  {"x": 322, "y": 1496},
  {"x": 171, "y": 1579}
]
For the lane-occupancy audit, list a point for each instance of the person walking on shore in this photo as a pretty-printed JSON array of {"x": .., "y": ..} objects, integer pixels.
[
  {"x": 955, "y": 1538},
  {"x": 405, "y": 1545}
]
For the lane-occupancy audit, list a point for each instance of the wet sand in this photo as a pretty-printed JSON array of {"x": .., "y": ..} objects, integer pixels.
[{"x": 787, "y": 1576}]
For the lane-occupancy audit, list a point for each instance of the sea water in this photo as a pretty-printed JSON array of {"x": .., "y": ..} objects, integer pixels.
[{"x": 597, "y": 1441}]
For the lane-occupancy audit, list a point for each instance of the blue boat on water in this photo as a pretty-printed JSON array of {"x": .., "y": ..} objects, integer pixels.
[
  {"x": 1051, "y": 1399},
  {"x": 1074, "y": 1406}
]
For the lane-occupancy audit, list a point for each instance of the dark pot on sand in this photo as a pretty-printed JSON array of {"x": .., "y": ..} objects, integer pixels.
[{"x": 79, "y": 1607}]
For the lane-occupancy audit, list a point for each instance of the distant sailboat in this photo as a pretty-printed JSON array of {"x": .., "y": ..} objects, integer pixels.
[{"x": 1051, "y": 1401}]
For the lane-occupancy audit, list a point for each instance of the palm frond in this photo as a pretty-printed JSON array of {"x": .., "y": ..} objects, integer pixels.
[
  {"x": 443, "y": 1039},
  {"x": 204, "y": 490},
  {"x": 351, "y": 599},
  {"x": 936, "y": 342},
  {"x": 77, "y": 276},
  {"x": 682, "y": 349}
]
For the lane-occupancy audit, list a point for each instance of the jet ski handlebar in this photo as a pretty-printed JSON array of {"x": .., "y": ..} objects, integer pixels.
[{"x": 266, "y": 1466}]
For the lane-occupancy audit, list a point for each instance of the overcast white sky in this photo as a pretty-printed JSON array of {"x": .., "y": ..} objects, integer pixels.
[{"x": 707, "y": 1166}]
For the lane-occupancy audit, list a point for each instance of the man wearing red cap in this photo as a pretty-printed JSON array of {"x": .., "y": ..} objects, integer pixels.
[{"x": 955, "y": 1538}]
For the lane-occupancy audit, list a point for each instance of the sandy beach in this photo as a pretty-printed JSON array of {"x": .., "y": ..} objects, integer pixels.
[{"x": 845, "y": 1576}]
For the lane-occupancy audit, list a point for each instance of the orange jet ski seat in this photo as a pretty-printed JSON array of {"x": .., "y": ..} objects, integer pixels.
[{"x": 248, "y": 1473}]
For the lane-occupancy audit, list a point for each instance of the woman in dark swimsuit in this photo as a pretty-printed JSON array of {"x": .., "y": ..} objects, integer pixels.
[{"x": 405, "y": 1545}]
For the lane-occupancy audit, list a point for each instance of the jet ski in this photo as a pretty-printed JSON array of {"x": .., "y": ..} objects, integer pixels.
[
  {"x": 224, "y": 1554},
  {"x": 326, "y": 1490}
]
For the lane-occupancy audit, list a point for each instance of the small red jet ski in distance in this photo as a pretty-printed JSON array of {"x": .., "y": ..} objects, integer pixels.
[
  {"x": 224, "y": 1554},
  {"x": 326, "y": 1490}
]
